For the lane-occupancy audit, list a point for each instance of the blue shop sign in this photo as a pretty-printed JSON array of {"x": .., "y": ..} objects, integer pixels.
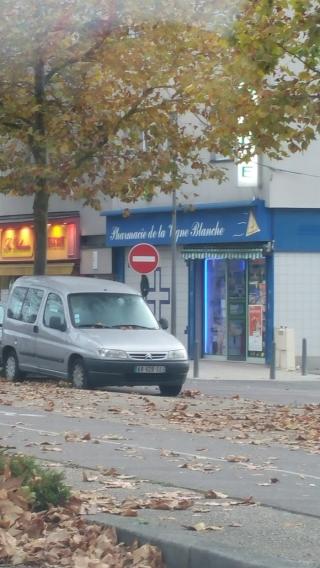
[
  {"x": 205, "y": 224},
  {"x": 297, "y": 230}
]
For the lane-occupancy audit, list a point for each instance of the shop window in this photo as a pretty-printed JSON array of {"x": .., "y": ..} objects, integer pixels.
[
  {"x": 235, "y": 308},
  {"x": 256, "y": 308},
  {"x": 215, "y": 308}
]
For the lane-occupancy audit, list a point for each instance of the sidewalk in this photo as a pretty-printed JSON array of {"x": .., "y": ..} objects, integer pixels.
[{"x": 233, "y": 370}]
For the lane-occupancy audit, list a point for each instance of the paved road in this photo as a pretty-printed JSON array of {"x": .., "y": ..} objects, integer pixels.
[
  {"x": 290, "y": 392},
  {"x": 139, "y": 452},
  {"x": 293, "y": 392},
  {"x": 287, "y": 525}
]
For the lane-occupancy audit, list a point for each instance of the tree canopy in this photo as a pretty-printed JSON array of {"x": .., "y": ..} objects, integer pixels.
[
  {"x": 275, "y": 47},
  {"x": 123, "y": 97}
]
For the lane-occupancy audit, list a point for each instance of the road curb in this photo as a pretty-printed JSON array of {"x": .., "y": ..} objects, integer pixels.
[{"x": 181, "y": 552}]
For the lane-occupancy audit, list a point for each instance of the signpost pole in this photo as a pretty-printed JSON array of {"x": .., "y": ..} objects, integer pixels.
[{"x": 174, "y": 265}]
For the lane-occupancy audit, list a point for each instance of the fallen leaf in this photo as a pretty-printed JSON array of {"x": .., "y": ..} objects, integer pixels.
[
  {"x": 148, "y": 556},
  {"x": 200, "y": 527},
  {"x": 88, "y": 477},
  {"x": 86, "y": 436},
  {"x": 191, "y": 393},
  {"x": 49, "y": 406},
  {"x": 47, "y": 448},
  {"x": 237, "y": 459},
  {"x": 71, "y": 436},
  {"x": 215, "y": 495},
  {"x": 129, "y": 513}
]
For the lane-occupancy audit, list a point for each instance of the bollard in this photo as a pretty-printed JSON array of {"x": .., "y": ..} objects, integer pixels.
[
  {"x": 304, "y": 357},
  {"x": 196, "y": 360},
  {"x": 273, "y": 361}
]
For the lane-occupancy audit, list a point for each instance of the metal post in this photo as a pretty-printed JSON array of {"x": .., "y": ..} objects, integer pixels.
[
  {"x": 304, "y": 357},
  {"x": 174, "y": 265},
  {"x": 196, "y": 357},
  {"x": 273, "y": 361}
]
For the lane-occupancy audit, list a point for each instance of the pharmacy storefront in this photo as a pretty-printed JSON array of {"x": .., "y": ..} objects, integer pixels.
[{"x": 224, "y": 273}]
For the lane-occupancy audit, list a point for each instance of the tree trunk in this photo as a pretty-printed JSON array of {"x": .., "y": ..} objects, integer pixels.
[
  {"x": 40, "y": 215},
  {"x": 39, "y": 149}
]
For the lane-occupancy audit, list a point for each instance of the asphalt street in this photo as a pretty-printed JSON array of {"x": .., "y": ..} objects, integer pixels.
[
  {"x": 284, "y": 482},
  {"x": 278, "y": 392},
  {"x": 139, "y": 452}
]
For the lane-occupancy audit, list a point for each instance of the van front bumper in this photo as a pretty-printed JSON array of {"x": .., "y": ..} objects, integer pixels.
[{"x": 131, "y": 373}]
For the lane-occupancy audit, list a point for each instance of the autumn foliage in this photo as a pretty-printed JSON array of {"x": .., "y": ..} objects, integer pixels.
[{"x": 127, "y": 99}]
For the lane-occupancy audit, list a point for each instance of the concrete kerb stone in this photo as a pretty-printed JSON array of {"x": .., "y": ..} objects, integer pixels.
[
  {"x": 181, "y": 552},
  {"x": 210, "y": 369}
]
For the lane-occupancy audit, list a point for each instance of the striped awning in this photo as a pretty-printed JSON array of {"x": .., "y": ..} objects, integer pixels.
[{"x": 222, "y": 253}]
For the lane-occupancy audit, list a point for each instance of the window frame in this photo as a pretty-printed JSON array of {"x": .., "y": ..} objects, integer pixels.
[
  {"x": 9, "y": 308},
  {"x": 44, "y": 309}
]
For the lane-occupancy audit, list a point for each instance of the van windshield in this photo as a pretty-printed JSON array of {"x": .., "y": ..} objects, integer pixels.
[{"x": 104, "y": 310}]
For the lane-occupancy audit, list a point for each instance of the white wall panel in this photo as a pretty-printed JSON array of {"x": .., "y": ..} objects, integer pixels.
[
  {"x": 297, "y": 297},
  {"x": 161, "y": 282}
]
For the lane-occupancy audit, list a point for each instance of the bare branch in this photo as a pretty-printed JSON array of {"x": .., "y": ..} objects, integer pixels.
[
  {"x": 15, "y": 125},
  {"x": 289, "y": 52},
  {"x": 82, "y": 58}
]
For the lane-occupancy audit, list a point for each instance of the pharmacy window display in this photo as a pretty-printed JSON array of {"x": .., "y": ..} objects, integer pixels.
[{"x": 234, "y": 308}]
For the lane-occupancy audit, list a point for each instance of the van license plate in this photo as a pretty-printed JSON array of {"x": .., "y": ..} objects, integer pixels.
[{"x": 150, "y": 369}]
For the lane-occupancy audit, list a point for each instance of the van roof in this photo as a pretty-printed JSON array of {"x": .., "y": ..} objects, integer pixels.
[{"x": 69, "y": 284}]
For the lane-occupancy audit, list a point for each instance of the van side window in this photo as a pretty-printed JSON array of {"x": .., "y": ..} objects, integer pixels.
[
  {"x": 54, "y": 309},
  {"x": 31, "y": 305},
  {"x": 16, "y": 301}
]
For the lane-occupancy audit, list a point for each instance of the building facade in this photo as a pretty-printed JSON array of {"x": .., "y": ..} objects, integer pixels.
[
  {"x": 76, "y": 240},
  {"x": 248, "y": 254},
  {"x": 248, "y": 259}
]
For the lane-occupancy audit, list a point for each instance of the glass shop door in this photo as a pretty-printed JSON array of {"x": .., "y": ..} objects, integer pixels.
[{"x": 236, "y": 302}]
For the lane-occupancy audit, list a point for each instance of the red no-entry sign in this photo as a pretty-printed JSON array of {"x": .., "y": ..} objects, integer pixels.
[{"x": 143, "y": 258}]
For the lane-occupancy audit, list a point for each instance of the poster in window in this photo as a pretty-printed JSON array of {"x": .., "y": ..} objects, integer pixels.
[{"x": 255, "y": 328}]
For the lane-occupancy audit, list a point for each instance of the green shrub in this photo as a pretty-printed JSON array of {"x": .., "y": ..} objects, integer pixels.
[
  {"x": 49, "y": 489},
  {"x": 43, "y": 486}
]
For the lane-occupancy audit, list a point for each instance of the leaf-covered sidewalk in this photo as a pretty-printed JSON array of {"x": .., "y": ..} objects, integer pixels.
[{"x": 61, "y": 536}]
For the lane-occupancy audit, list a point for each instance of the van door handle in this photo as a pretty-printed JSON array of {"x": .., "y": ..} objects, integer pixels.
[{"x": 36, "y": 329}]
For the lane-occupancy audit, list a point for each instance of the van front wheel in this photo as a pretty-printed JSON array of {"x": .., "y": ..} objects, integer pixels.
[
  {"x": 170, "y": 390},
  {"x": 11, "y": 367},
  {"x": 79, "y": 374}
]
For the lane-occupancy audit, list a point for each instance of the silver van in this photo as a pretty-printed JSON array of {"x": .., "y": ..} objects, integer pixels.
[{"x": 91, "y": 331}]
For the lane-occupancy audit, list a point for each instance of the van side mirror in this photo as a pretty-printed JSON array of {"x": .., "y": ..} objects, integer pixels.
[
  {"x": 163, "y": 322},
  {"x": 56, "y": 323}
]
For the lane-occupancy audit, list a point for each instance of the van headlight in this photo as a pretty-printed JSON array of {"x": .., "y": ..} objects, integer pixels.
[
  {"x": 112, "y": 354},
  {"x": 177, "y": 354}
]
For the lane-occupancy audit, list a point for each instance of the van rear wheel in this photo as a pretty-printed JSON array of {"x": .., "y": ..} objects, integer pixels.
[
  {"x": 79, "y": 374},
  {"x": 170, "y": 390},
  {"x": 11, "y": 367}
]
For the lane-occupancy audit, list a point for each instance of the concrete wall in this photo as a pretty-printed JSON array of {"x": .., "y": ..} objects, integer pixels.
[
  {"x": 296, "y": 189},
  {"x": 96, "y": 261},
  {"x": 161, "y": 280},
  {"x": 208, "y": 191},
  {"x": 297, "y": 300},
  {"x": 92, "y": 223}
]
